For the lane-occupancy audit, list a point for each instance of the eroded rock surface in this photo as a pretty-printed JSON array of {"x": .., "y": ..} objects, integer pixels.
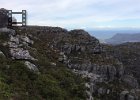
[
  {"x": 105, "y": 75},
  {"x": 31, "y": 66}
]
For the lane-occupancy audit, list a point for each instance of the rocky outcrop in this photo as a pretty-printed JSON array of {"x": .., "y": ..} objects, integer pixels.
[
  {"x": 130, "y": 80},
  {"x": 106, "y": 72},
  {"x": 20, "y": 53},
  {"x": 128, "y": 54},
  {"x": 96, "y": 72},
  {"x": 129, "y": 95},
  {"x": 31, "y": 66},
  {"x": 62, "y": 57},
  {"x": 105, "y": 75},
  {"x": 18, "y": 46}
]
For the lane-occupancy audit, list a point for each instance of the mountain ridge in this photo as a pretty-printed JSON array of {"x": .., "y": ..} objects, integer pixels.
[{"x": 123, "y": 37}]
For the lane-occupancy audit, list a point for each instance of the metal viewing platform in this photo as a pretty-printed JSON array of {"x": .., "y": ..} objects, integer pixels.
[{"x": 12, "y": 23}]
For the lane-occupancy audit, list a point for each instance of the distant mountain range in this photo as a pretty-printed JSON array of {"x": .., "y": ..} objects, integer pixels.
[{"x": 123, "y": 38}]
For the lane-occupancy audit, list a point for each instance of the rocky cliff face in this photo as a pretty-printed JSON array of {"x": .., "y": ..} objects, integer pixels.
[
  {"x": 84, "y": 55},
  {"x": 44, "y": 50},
  {"x": 17, "y": 46},
  {"x": 128, "y": 54}
]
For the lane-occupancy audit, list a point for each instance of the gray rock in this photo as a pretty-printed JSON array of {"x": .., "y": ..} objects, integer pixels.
[
  {"x": 87, "y": 85},
  {"x": 53, "y": 64},
  {"x": 7, "y": 32},
  {"x": 31, "y": 66},
  {"x": 26, "y": 39},
  {"x": 130, "y": 97},
  {"x": 106, "y": 71},
  {"x": 90, "y": 97},
  {"x": 67, "y": 48},
  {"x": 126, "y": 95},
  {"x": 17, "y": 45},
  {"x": 79, "y": 32},
  {"x": 123, "y": 95},
  {"x": 108, "y": 91},
  {"x": 77, "y": 48},
  {"x": 83, "y": 48},
  {"x": 1, "y": 53},
  {"x": 120, "y": 69},
  {"x": 13, "y": 45},
  {"x": 20, "y": 53},
  {"x": 20, "y": 40},
  {"x": 130, "y": 80},
  {"x": 97, "y": 49},
  {"x": 14, "y": 39},
  {"x": 62, "y": 57},
  {"x": 101, "y": 91}
]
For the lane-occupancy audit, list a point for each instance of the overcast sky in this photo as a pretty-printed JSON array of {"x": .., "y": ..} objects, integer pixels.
[{"x": 89, "y": 14}]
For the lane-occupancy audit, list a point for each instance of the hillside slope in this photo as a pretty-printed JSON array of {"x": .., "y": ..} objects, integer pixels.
[
  {"x": 129, "y": 55},
  {"x": 52, "y": 63}
]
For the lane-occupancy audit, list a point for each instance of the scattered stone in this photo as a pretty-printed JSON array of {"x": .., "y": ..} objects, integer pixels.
[
  {"x": 20, "y": 53},
  {"x": 31, "y": 66},
  {"x": 62, "y": 57},
  {"x": 108, "y": 91},
  {"x": 1, "y": 53},
  {"x": 53, "y": 64}
]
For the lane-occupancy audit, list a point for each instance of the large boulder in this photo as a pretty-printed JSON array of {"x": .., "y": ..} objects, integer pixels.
[{"x": 126, "y": 95}]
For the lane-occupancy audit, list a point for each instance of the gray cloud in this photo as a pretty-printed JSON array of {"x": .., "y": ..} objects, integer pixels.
[{"x": 78, "y": 13}]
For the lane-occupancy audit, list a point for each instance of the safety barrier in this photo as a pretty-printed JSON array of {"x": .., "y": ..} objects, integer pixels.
[{"x": 12, "y": 23}]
